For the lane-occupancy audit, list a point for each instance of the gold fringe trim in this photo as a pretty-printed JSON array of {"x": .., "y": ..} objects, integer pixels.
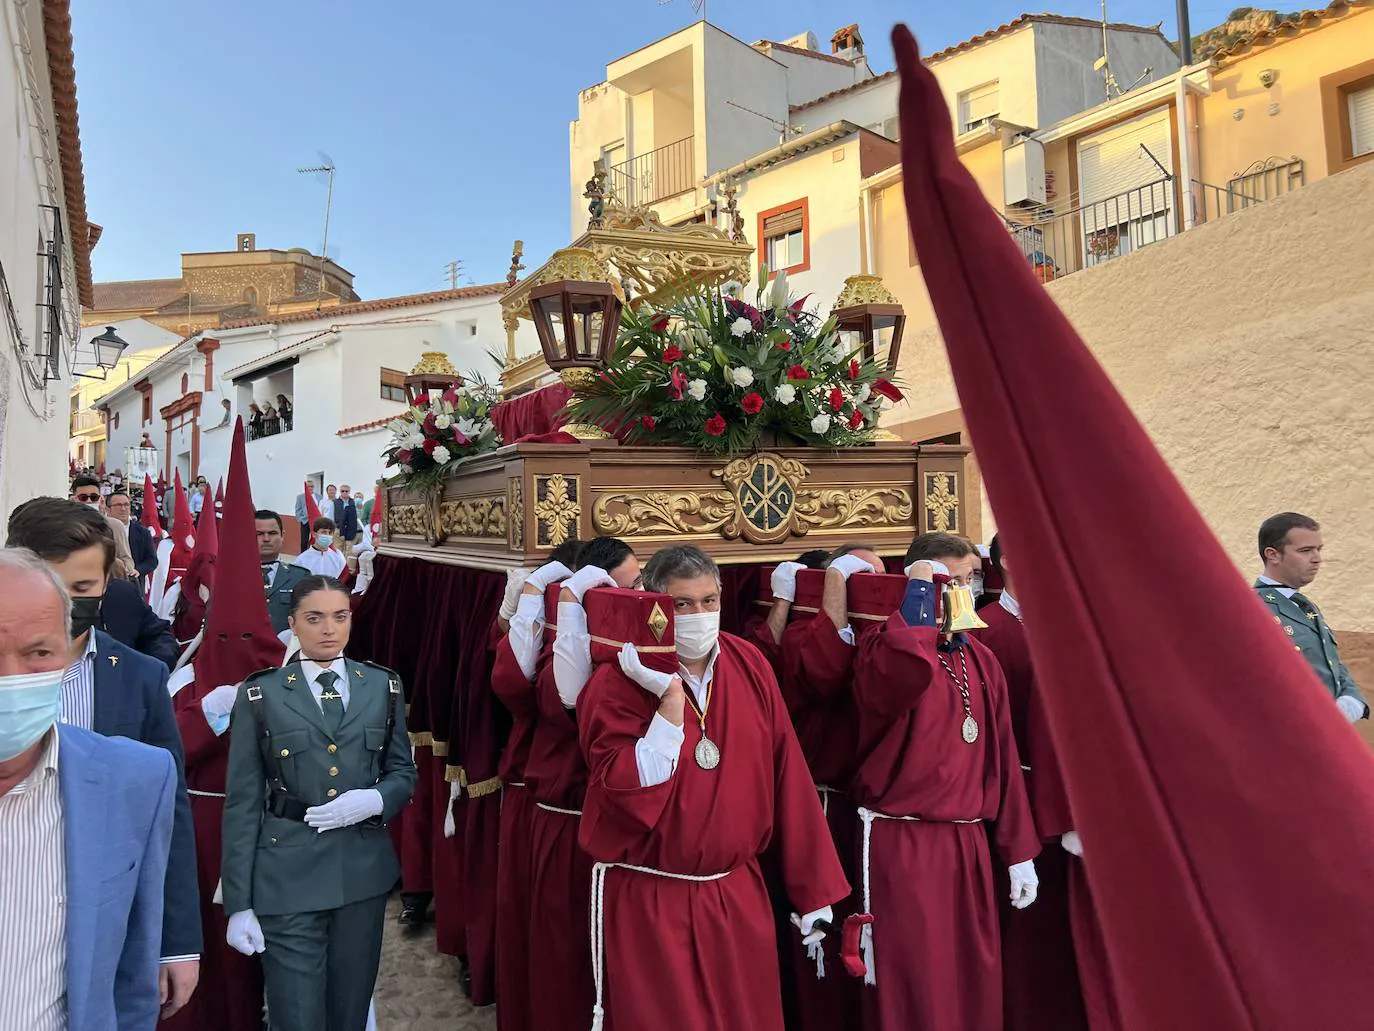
[
  {"x": 484, "y": 787},
  {"x": 456, "y": 775},
  {"x": 421, "y": 739},
  {"x": 440, "y": 747}
]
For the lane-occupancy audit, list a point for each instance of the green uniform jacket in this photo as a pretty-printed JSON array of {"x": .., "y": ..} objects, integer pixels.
[
  {"x": 1312, "y": 637},
  {"x": 273, "y": 865},
  {"x": 279, "y": 594}
]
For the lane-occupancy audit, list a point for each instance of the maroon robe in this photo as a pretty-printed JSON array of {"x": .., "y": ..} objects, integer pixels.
[
  {"x": 687, "y": 954},
  {"x": 560, "y": 871},
  {"x": 229, "y": 994},
  {"x": 1039, "y": 973},
  {"x": 935, "y": 932},
  {"x": 513, "y": 986}
]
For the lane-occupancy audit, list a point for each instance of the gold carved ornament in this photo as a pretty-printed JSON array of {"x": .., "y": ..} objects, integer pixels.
[
  {"x": 556, "y": 509},
  {"x": 483, "y": 517},
  {"x": 941, "y": 502},
  {"x": 408, "y": 520},
  {"x": 863, "y": 290},
  {"x": 434, "y": 363},
  {"x": 515, "y": 514}
]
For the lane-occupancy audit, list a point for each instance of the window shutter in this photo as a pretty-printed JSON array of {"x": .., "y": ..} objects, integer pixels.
[
  {"x": 1361, "y": 121},
  {"x": 980, "y": 104},
  {"x": 392, "y": 378},
  {"x": 1111, "y": 165},
  {"x": 782, "y": 223}
]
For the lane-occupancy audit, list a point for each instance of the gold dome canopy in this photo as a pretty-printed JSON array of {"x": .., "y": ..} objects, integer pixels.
[{"x": 434, "y": 363}]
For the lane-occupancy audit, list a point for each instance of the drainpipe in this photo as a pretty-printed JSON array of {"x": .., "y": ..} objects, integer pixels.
[{"x": 1185, "y": 149}]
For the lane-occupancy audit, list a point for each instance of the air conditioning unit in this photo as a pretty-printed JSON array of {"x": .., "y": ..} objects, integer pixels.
[{"x": 1023, "y": 174}]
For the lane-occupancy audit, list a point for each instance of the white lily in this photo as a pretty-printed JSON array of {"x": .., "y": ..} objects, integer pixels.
[{"x": 777, "y": 299}]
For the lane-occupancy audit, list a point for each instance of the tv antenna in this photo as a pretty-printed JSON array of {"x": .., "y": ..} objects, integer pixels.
[
  {"x": 324, "y": 169},
  {"x": 699, "y": 6},
  {"x": 784, "y": 130}
]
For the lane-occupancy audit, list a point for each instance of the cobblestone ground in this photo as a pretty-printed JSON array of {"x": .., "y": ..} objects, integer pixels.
[{"x": 418, "y": 989}]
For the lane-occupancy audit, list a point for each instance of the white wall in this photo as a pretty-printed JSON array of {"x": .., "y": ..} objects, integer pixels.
[
  {"x": 1067, "y": 81},
  {"x": 600, "y": 121},
  {"x": 735, "y": 71},
  {"x": 811, "y": 77},
  {"x": 31, "y": 443},
  {"x": 868, "y": 106}
]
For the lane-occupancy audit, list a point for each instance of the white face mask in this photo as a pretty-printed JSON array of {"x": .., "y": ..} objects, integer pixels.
[{"x": 696, "y": 634}]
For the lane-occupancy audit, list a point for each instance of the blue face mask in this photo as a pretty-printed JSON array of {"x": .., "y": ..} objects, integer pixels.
[
  {"x": 324, "y": 540},
  {"x": 29, "y": 704}
]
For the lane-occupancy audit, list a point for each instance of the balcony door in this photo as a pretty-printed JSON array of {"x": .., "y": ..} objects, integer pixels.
[{"x": 1125, "y": 182}]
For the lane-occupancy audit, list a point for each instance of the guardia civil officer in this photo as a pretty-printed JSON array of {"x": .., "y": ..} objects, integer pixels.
[{"x": 318, "y": 761}]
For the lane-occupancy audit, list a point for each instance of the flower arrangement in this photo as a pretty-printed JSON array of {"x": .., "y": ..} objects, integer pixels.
[
  {"x": 718, "y": 374},
  {"x": 442, "y": 431}
]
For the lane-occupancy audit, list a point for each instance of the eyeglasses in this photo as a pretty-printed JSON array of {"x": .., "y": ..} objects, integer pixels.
[{"x": 87, "y": 496}]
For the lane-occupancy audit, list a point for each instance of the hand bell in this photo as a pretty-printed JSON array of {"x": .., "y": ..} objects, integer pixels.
[{"x": 958, "y": 613}]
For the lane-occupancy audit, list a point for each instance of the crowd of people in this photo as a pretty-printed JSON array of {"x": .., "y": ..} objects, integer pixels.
[{"x": 267, "y": 419}]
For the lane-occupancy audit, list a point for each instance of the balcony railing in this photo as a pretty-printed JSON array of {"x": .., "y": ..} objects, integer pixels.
[
  {"x": 85, "y": 422},
  {"x": 655, "y": 176},
  {"x": 1262, "y": 181}
]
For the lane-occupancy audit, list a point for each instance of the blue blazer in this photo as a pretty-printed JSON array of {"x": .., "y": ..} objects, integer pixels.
[
  {"x": 118, "y": 799},
  {"x": 131, "y": 700},
  {"x": 126, "y": 617},
  {"x": 142, "y": 548}
]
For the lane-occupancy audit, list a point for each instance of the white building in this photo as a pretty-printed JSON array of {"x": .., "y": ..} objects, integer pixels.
[
  {"x": 342, "y": 369},
  {"x": 45, "y": 211},
  {"x": 146, "y": 343}
]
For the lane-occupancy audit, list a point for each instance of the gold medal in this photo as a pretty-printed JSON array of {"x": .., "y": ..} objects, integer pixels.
[{"x": 707, "y": 754}]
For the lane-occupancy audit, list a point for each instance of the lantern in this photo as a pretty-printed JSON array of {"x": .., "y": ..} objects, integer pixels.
[
  {"x": 866, "y": 316},
  {"x": 433, "y": 373},
  {"x": 576, "y": 311},
  {"x": 108, "y": 347}
]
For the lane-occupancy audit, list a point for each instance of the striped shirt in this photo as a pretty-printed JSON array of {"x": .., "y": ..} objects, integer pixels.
[
  {"x": 78, "y": 688},
  {"x": 33, "y": 884}
]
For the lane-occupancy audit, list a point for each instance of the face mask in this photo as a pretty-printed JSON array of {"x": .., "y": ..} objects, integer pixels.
[
  {"x": 29, "y": 704},
  {"x": 324, "y": 540},
  {"x": 85, "y": 614},
  {"x": 975, "y": 585},
  {"x": 95, "y": 505},
  {"x": 696, "y": 634}
]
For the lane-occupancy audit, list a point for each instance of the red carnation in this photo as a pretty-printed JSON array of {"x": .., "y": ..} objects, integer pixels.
[
  {"x": 856, "y": 420},
  {"x": 836, "y": 399},
  {"x": 784, "y": 345},
  {"x": 853, "y": 368},
  {"x": 715, "y": 425},
  {"x": 403, "y": 456},
  {"x": 677, "y": 383},
  {"x": 648, "y": 422},
  {"x": 797, "y": 372},
  {"x": 672, "y": 353},
  {"x": 422, "y": 399},
  {"x": 887, "y": 390},
  {"x": 660, "y": 323},
  {"x": 430, "y": 445},
  {"x": 752, "y": 403}
]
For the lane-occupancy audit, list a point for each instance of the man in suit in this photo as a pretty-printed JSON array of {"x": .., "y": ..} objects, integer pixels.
[
  {"x": 306, "y": 873},
  {"x": 79, "y": 946},
  {"x": 140, "y": 540},
  {"x": 1290, "y": 545},
  {"x": 278, "y": 578},
  {"x": 126, "y": 617},
  {"x": 302, "y": 518},
  {"x": 117, "y": 692},
  {"x": 346, "y": 517}
]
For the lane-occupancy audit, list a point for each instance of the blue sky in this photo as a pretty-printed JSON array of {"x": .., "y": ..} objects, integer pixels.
[{"x": 447, "y": 119}]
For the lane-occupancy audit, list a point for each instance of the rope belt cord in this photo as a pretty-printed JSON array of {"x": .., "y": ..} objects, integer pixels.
[
  {"x": 555, "y": 809},
  {"x": 825, "y": 791},
  {"x": 598, "y": 930},
  {"x": 866, "y": 933}
]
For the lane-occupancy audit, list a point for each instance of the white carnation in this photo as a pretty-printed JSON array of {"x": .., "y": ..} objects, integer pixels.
[
  {"x": 785, "y": 394},
  {"x": 442, "y": 422},
  {"x": 742, "y": 376},
  {"x": 820, "y": 423},
  {"x": 415, "y": 439},
  {"x": 697, "y": 388},
  {"x": 740, "y": 326},
  {"x": 441, "y": 454}
]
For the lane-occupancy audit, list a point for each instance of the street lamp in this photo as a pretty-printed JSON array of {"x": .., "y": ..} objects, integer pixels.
[
  {"x": 866, "y": 312},
  {"x": 108, "y": 347},
  {"x": 576, "y": 311}
]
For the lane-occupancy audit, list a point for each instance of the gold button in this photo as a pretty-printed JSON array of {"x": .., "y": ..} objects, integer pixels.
[
  {"x": 333, "y": 771},
  {"x": 331, "y": 792},
  {"x": 286, "y": 751},
  {"x": 332, "y": 749}
]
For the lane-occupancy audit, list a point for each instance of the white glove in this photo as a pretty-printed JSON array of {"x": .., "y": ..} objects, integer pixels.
[
  {"x": 349, "y": 808},
  {"x": 515, "y": 586},
  {"x": 217, "y": 705},
  {"x": 548, "y": 573},
  {"x": 585, "y": 579},
  {"x": 807, "y": 924},
  {"x": 244, "y": 933},
  {"x": 1024, "y": 884},
  {"x": 848, "y": 565},
  {"x": 1072, "y": 843},
  {"x": 935, "y": 567},
  {"x": 785, "y": 581},
  {"x": 1350, "y": 707},
  {"x": 455, "y": 792},
  {"x": 651, "y": 680}
]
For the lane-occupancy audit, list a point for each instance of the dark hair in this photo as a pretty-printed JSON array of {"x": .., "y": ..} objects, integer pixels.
[
  {"x": 995, "y": 552},
  {"x": 848, "y": 549},
  {"x": 54, "y": 528},
  {"x": 567, "y": 553},
  {"x": 1273, "y": 532},
  {"x": 266, "y": 514},
  {"x": 323, "y": 523},
  {"x": 604, "y": 553},
  {"x": 815, "y": 559},
  {"x": 934, "y": 546},
  {"x": 118, "y": 492},
  {"x": 679, "y": 562},
  {"x": 83, "y": 481},
  {"x": 310, "y": 585}
]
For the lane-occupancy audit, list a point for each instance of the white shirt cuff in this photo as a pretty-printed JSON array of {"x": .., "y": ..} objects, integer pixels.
[
  {"x": 180, "y": 959},
  {"x": 656, "y": 753},
  {"x": 846, "y": 633}
]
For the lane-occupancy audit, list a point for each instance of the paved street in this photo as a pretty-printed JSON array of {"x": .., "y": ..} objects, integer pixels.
[{"x": 418, "y": 989}]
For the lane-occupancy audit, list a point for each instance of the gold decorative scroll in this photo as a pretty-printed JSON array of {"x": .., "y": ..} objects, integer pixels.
[
  {"x": 556, "y": 509},
  {"x": 941, "y": 502},
  {"x": 483, "y": 517},
  {"x": 856, "y": 507},
  {"x": 408, "y": 520},
  {"x": 434, "y": 363},
  {"x": 515, "y": 514},
  {"x": 863, "y": 290},
  {"x": 652, "y": 512}
]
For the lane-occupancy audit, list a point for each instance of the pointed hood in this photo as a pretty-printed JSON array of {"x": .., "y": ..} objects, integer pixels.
[
  {"x": 200, "y": 572},
  {"x": 239, "y": 639},
  {"x": 1222, "y": 799},
  {"x": 149, "y": 518},
  {"x": 376, "y": 521},
  {"x": 219, "y": 498},
  {"x": 183, "y": 534}
]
